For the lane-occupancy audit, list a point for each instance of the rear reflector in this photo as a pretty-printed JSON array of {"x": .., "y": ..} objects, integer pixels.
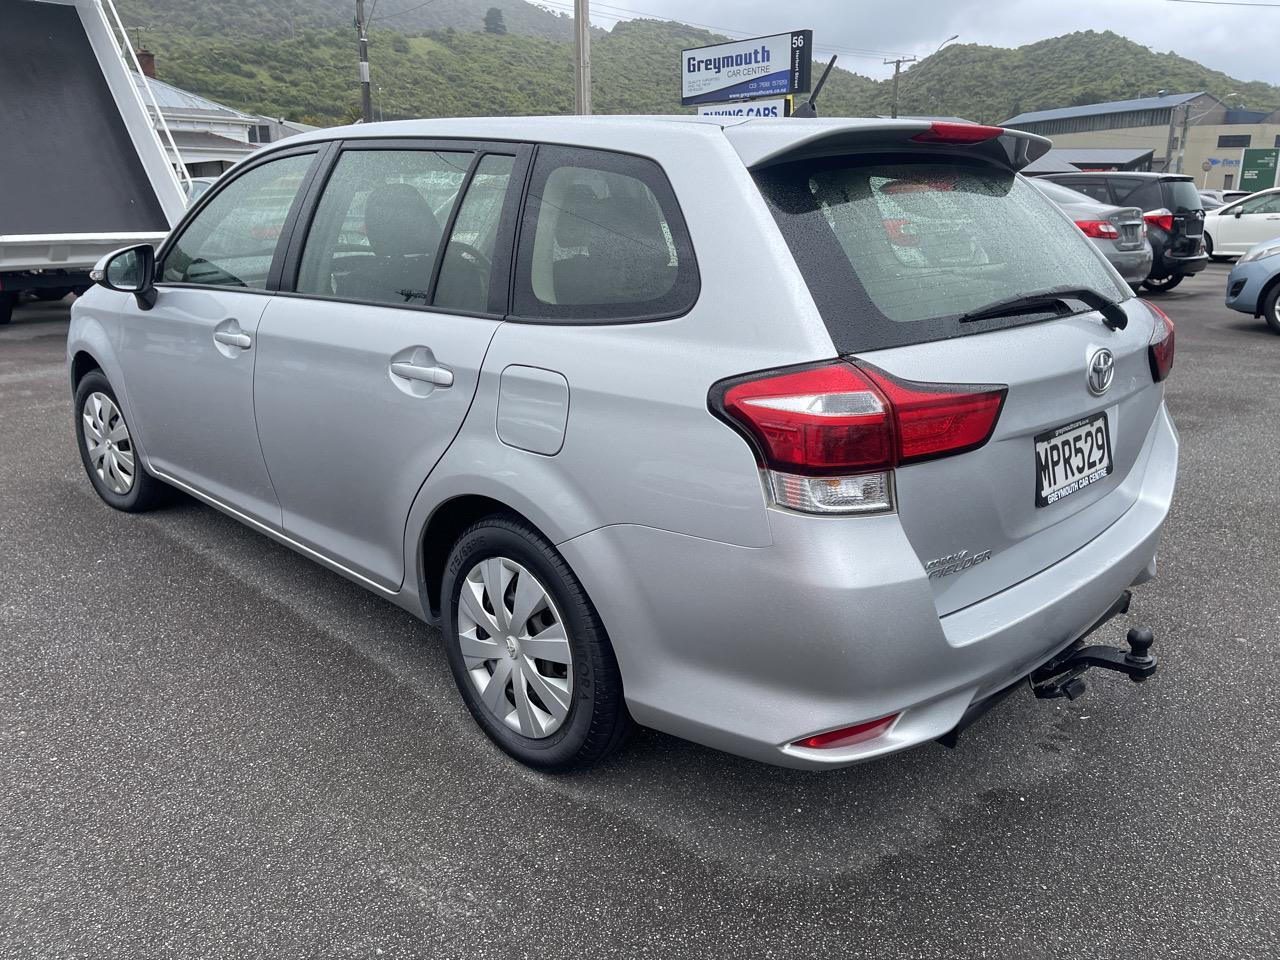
[
  {"x": 1161, "y": 218},
  {"x": 1160, "y": 351},
  {"x": 1100, "y": 229},
  {"x": 946, "y": 132},
  {"x": 848, "y": 736}
]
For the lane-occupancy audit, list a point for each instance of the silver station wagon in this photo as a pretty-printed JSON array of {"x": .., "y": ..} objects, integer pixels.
[{"x": 804, "y": 439}]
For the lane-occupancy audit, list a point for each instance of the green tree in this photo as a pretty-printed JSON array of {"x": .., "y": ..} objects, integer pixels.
[{"x": 493, "y": 22}]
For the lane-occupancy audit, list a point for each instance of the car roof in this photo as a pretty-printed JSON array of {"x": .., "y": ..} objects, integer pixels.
[{"x": 758, "y": 141}]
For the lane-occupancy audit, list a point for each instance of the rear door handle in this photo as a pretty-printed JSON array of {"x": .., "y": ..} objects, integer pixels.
[
  {"x": 241, "y": 340},
  {"x": 435, "y": 375}
]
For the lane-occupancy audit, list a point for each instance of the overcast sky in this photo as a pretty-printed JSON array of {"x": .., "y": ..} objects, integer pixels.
[{"x": 1227, "y": 37}]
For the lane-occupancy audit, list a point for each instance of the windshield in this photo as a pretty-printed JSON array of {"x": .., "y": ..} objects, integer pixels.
[{"x": 896, "y": 253}]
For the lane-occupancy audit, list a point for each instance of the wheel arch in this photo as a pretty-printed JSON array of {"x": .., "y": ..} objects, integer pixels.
[
  {"x": 1260, "y": 307},
  {"x": 82, "y": 362},
  {"x": 441, "y": 532}
]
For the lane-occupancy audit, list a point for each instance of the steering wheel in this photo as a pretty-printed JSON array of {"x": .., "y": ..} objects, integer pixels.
[{"x": 473, "y": 253}]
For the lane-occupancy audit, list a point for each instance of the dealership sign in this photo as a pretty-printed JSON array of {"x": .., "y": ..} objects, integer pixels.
[
  {"x": 764, "y": 67},
  {"x": 768, "y": 107},
  {"x": 1258, "y": 168}
]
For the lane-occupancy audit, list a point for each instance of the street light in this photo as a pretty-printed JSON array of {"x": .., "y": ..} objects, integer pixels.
[{"x": 946, "y": 41}]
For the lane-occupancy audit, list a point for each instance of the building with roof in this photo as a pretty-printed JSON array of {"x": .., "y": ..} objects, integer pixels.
[
  {"x": 210, "y": 136},
  {"x": 1183, "y": 131}
]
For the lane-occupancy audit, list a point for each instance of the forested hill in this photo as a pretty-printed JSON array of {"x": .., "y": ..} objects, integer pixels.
[{"x": 296, "y": 59}]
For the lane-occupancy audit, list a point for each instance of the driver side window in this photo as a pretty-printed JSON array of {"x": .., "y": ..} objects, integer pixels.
[{"x": 232, "y": 240}]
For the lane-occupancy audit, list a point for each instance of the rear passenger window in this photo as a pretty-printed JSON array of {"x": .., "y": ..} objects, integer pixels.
[
  {"x": 1097, "y": 189},
  {"x": 602, "y": 239},
  {"x": 1138, "y": 193},
  {"x": 467, "y": 268},
  {"x": 380, "y": 223}
]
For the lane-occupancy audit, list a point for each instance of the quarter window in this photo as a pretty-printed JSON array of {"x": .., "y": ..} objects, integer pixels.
[
  {"x": 602, "y": 240},
  {"x": 232, "y": 240},
  {"x": 379, "y": 225}
]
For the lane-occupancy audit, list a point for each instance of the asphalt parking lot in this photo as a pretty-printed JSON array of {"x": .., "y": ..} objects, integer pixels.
[{"x": 211, "y": 747}]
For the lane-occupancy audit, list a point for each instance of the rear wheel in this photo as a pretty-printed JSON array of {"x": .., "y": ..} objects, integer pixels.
[
  {"x": 1271, "y": 308},
  {"x": 1208, "y": 248},
  {"x": 527, "y": 649},
  {"x": 7, "y": 300},
  {"x": 1164, "y": 284},
  {"x": 49, "y": 294},
  {"x": 107, "y": 450}
]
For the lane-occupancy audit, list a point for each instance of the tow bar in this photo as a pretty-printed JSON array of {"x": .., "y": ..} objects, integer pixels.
[{"x": 1062, "y": 676}]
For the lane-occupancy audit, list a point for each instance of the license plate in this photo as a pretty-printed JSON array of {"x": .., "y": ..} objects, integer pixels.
[{"x": 1072, "y": 457}]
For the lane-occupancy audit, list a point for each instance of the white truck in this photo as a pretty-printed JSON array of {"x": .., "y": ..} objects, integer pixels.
[{"x": 82, "y": 167}]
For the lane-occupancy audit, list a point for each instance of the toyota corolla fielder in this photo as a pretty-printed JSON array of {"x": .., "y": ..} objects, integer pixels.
[{"x": 804, "y": 439}]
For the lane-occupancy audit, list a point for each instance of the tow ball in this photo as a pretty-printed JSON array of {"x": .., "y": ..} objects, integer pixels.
[{"x": 1061, "y": 676}]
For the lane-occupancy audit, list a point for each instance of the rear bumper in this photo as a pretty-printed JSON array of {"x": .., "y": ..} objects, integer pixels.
[
  {"x": 1170, "y": 264},
  {"x": 750, "y": 649},
  {"x": 1134, "y": 265}
]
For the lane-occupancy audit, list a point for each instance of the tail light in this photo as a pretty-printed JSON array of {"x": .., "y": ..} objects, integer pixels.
[
  {"x": 829, "y": 436},
  {"x": 1101, "y": 229},
  {"x": 1160, "y": 350},
  {"x": 1161, "y": 218}
]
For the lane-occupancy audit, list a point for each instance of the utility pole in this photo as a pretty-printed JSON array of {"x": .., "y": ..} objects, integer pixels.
[
  {"x": 897, "y": 69},
  {"x": 1168, "y": 153},
  {"x": 1186, "y": 129},
  {"x": 362, "y": 42},
  {"x": 582, "y": 44}
]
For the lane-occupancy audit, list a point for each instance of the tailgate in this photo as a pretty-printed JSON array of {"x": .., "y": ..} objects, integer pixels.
[{"x": 973, "y": 518}]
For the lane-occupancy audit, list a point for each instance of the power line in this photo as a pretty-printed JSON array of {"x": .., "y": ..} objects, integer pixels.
[
  {"x": 401, "y": 13},
  {"x": 1226, "y": 3}
]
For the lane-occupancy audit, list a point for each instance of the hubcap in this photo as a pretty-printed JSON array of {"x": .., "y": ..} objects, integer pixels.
[
  {"x": 106, "y": 440},
  {"x": 515, "y": 647}
]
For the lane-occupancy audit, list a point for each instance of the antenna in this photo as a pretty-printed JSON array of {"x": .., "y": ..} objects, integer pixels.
[{"x": 808, "y": 108}]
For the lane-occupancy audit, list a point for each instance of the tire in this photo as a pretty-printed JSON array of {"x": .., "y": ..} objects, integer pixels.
[
  {"x": 1271, "y": 308},
  {"x": 117, "y": 476},
  {"x": 1163, "y": 285},
  {"x": 548, "y": 713},
  {"x": 50, "y": 294},
  {"x": 7, "y": 300},
  {"x": 1208, "y": 248}
]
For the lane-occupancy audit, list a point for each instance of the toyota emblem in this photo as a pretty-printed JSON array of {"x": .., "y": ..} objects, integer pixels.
[{"x": 1102, "y": 369}]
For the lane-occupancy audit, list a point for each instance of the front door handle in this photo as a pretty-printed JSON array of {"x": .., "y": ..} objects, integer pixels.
[
  {"x": 437, "y": 376},
  {"x": 233, "y": 339}
]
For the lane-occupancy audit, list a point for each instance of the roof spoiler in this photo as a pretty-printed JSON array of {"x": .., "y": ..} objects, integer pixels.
[{"x": 762, "y": 144}]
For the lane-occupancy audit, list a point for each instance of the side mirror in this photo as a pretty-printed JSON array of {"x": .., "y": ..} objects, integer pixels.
[
  {"x": 1237, "y": 212},
  {"x": 131, "y": 270}
]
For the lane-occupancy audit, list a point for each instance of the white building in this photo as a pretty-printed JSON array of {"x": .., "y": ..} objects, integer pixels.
[{"x": 210, "y": 136}]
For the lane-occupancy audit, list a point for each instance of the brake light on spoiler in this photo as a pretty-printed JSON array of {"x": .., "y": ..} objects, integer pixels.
[
  {"x": 829, "y": 435},
  {"x": 943, "y": 131}
]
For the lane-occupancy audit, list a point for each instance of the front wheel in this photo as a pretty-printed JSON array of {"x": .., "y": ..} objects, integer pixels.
[
  {"x": 107, "y": 450},
  {"x": 1271, "y": 308},
  {"x": 528, "y": 651},
  {"x": 1163, "y": 285}
]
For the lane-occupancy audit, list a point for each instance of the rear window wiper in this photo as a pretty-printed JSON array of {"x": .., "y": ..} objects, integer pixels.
[{"x": 1112, "y": 312}]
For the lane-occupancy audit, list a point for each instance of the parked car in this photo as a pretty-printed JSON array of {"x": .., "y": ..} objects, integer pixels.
[
  {"x": 812, "y": 483},
  {"x": 197, "y": 187},
  {"x": 1209, "y": 200},
  {"x": 1225, "y": 196},
  {"x": 1254, "y": 284},
  {"x": 1171, "y": 206},
  {"x": 1233, "y": 229},
  {"x": 1119, "y": 233}
]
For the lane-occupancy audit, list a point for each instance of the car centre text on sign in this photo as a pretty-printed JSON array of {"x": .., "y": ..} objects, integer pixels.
[{"x": 762, "y": 67}]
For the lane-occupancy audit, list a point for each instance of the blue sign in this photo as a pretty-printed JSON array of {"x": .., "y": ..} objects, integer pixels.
[{"x": 763, "y": 67}]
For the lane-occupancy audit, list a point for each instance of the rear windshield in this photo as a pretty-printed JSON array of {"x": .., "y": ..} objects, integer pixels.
[
  {"x": 896, "y": 251},
  {"x": 1182, "y": 195}
]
